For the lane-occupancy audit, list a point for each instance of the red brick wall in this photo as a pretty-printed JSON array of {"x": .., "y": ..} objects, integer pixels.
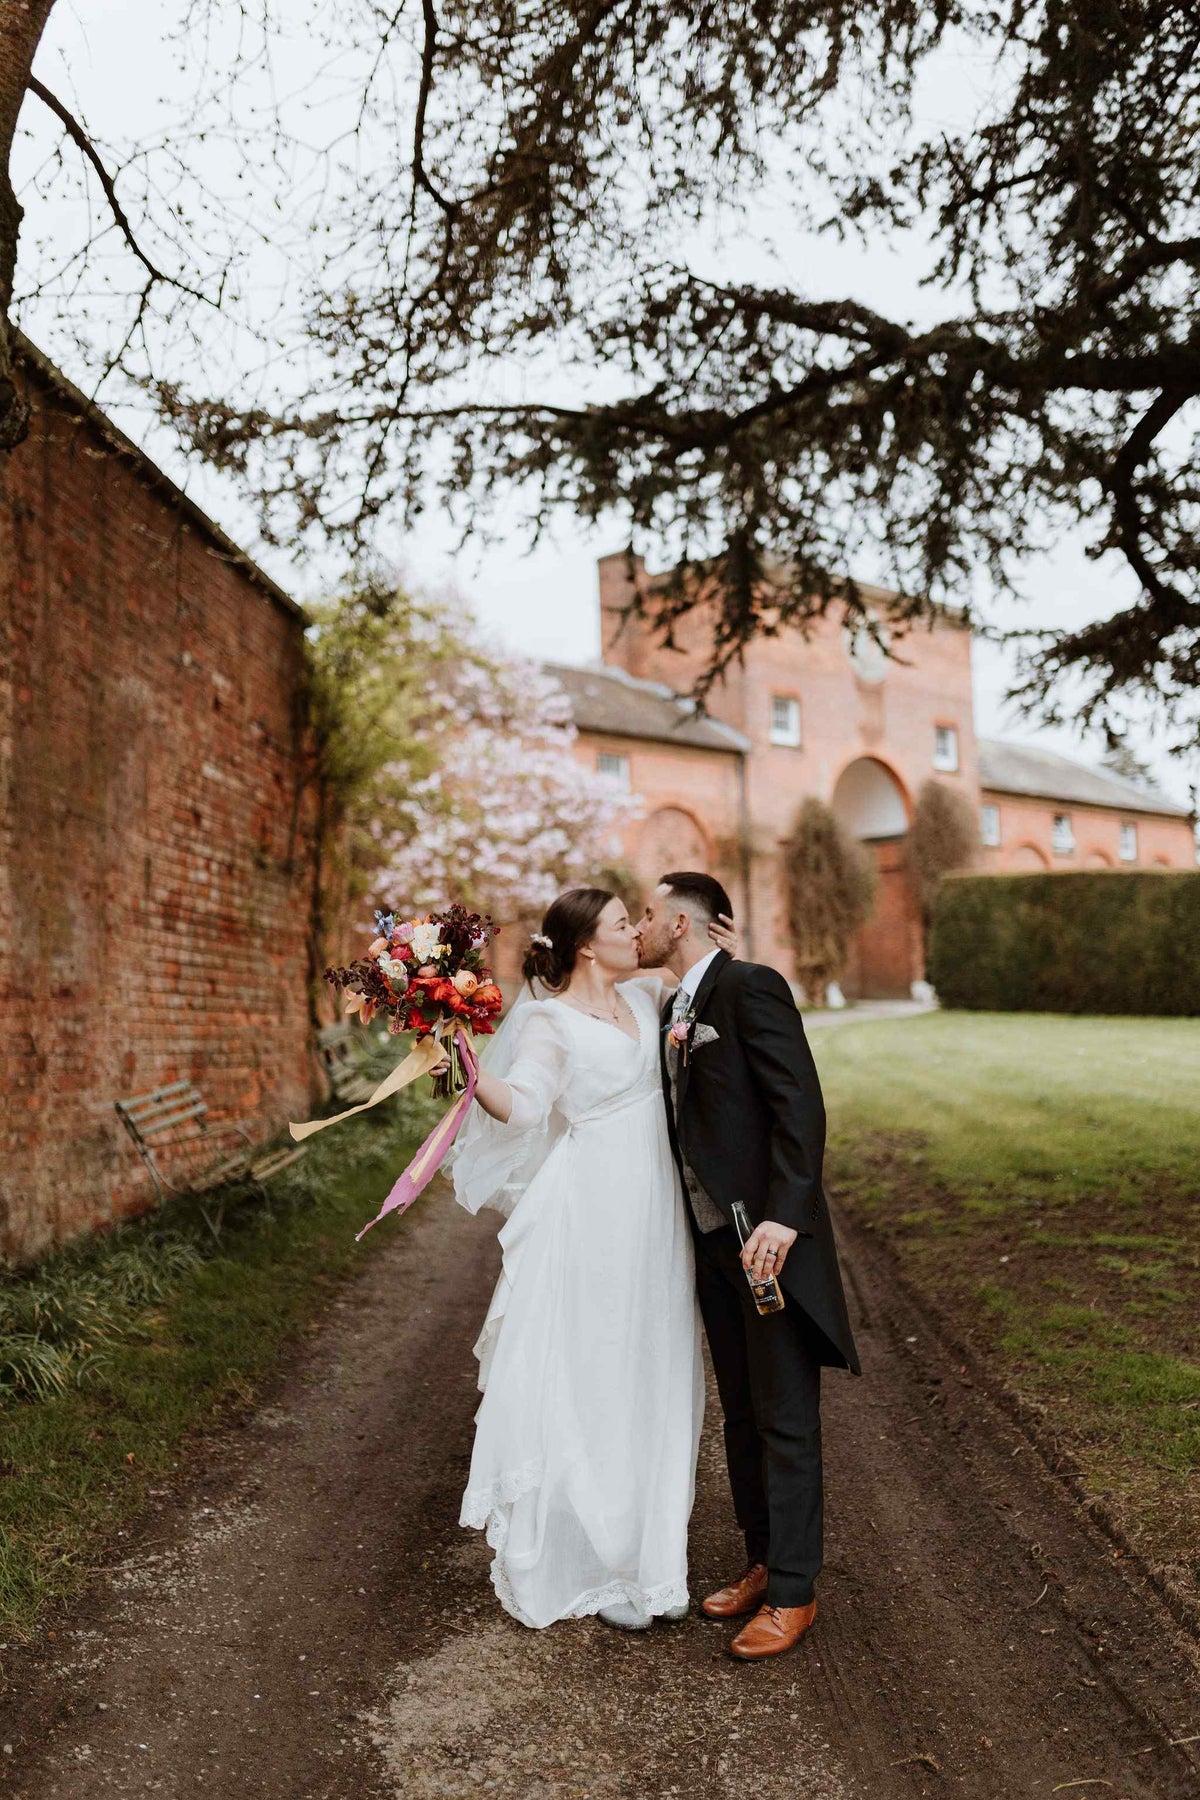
[
  {"x": 844, "y": 719},
  {"x": 154, "y": 841},
  {"x": 1026, "y": 837}
]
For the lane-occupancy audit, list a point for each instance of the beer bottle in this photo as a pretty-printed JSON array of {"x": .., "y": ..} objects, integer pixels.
[{"x": 768, "y": 1295}]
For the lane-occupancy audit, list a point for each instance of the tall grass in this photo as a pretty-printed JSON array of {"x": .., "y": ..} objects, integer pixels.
[{"x": 114, "y": 1349}]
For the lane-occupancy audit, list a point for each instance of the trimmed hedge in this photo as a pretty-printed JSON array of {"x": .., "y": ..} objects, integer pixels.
[{"x": 1092, "y": 941}]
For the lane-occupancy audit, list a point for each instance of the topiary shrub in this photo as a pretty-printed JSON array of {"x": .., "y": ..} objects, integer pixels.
[
  {"x": 831, "y": 883},
  {"x": 1092, "y": 941},
  {"x": 943, "y": 839}
]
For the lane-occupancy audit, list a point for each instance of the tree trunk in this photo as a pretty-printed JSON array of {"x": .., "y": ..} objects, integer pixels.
[{"x": 22, "y": 23}]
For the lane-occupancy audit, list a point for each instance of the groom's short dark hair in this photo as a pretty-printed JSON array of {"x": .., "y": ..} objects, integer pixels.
[{"x": 702, "y": 892}]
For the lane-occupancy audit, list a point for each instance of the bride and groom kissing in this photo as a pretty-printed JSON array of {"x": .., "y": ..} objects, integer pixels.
[{"x": 623, "y": 1120}]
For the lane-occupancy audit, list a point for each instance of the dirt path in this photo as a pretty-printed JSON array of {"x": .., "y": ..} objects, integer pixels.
[{"x": 306, "y": 1621}]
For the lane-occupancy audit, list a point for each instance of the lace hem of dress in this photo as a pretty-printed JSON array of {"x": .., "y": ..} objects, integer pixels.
[{"x": 487, "y": 1509}]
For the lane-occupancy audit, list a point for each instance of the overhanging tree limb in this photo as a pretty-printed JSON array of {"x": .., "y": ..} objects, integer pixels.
[{"x": 83, "y": 143}]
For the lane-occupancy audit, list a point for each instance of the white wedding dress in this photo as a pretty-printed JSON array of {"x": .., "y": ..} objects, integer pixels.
[{"x": 583, "y": 1469}]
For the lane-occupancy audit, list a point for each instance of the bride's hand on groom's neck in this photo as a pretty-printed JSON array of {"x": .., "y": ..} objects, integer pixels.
[{"x": 723, "y": 933}]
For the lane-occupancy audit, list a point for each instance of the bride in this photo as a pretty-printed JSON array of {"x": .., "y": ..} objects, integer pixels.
[{"x": 583, "y": 1469}]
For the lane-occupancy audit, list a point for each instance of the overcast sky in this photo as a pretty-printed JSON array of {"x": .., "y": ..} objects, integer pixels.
[{"x": 117, "y": 66}]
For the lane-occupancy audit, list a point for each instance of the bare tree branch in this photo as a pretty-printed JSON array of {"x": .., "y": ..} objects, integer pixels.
[{"x": 83, "y": 143}]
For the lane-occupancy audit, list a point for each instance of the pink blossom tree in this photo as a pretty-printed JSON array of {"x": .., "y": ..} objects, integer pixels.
[{"x": 497, "y": 811}]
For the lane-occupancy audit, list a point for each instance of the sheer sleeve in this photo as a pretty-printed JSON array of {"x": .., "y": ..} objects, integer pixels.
[
  {"x": 492, "y": 1162},
  {"x": 537, "y": 1074}
]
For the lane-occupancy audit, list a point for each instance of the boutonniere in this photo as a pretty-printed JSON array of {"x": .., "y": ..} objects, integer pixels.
[{"x": 679, "y": 1031}]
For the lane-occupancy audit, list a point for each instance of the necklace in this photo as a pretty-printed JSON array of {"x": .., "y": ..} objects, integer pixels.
[{"x": 605, "y": 1018}]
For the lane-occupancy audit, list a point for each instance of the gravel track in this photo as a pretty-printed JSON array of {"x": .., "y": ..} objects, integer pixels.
[{"x": 301, "y": 1618}]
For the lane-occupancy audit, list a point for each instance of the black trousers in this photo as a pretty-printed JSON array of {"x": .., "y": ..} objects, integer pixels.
[{"x": 769, "y": 1377}]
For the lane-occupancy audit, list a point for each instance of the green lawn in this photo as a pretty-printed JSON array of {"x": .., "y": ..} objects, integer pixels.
[
  {"x": 1039, "y": 1178},
  {"x": 155, "y": 1331}
]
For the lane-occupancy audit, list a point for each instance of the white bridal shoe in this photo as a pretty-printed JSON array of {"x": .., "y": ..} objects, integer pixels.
[{"x": 627, "y": 1617}]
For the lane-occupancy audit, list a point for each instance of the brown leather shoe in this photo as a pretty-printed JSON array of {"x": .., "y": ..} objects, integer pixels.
[
  {"x": 741, "y": 1596},
  {"x": 772, "y": 1630}
]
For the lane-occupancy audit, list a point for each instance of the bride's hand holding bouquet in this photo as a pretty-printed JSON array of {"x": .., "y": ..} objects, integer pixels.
[
  {"x": 429, "y": 977},
  {"x": 426, "y": 976}
]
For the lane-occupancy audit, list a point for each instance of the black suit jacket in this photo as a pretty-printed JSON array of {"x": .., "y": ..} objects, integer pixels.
[{"x": 751, "y": 1124}]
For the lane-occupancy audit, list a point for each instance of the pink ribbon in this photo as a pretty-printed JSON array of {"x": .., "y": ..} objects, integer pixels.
[{"x": 430, "y": 1157}]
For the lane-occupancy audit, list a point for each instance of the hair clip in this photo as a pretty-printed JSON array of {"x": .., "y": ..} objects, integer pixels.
[{"x": 539, "y": 937}]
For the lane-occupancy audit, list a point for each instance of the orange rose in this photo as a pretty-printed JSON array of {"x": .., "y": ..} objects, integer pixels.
[{"x": 465, "y": 982}]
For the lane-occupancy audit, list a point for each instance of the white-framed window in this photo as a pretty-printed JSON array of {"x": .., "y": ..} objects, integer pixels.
[
  {"x": 989, "y": 827},
  {"x": 1063, "y": 836},
  {"x": 945, "y": 748},
  {"x": 613, "y": 768},
  {"x": 1127, "y": 841},
  {"x": 785, "y": 720}
]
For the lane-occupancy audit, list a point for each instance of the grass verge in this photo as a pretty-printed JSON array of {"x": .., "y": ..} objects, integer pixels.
[
  {"x": 115, "y": 1348},
  {"x": 1037, "y": 1178}
]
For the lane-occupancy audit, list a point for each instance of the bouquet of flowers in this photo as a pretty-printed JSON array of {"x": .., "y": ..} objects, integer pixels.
[{"x": 428, "y": 976}]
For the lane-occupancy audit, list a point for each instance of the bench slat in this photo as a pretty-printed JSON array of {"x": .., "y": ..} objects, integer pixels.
[
  {"x": 335, "y": 1034},
  {"x": 140, "y": 1103},
  {"x": 150, "y": 1127},
  {"x": 271, "y": 1165}
]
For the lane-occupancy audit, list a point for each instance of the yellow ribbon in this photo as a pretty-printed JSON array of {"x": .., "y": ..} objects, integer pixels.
[{"x": 420, "y": 1060}]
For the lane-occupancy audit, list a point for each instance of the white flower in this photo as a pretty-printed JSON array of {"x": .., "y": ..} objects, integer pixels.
[
  {"x": 426, "y": 943},
  {"x": 395, "y": 972}
]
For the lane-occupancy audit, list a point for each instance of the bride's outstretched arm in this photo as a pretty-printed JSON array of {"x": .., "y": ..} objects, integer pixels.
[
  {"x": 495, "y": 1096},
  {"x": 533, "y": 1082}
]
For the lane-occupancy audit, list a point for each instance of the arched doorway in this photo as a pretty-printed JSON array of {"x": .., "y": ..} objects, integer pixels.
[
  {"x": 670, "y": 839},
  {"x": 870, "y": 803}
]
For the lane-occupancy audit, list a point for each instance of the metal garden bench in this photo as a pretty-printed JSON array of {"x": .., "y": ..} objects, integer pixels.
[
  {"x": 175, "y": 1119},
  {"x": 343, "y": 1054}
]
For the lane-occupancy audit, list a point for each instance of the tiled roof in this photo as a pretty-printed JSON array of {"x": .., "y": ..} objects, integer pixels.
[
  {"x": 1023, "y": 769},
  {"x": 609, "y": 700}
]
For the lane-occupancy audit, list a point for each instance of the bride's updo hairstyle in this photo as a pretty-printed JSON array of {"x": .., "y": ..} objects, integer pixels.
[{"x": 569, "y": 924}]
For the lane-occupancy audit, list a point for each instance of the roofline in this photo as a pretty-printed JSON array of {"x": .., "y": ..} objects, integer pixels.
[
  {"x": 871, "y": 591},
  {"x": 148, "y": 469},
  {"x": 655, "y": 737},
  {"x": 738, "y": 745},
  {"x": 1170, "y": 809}
]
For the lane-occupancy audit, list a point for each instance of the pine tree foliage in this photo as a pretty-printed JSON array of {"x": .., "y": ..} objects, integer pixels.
[{"x": 556, "y": 167}]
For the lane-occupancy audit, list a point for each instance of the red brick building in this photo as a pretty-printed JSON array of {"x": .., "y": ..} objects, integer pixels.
[
  {"x": 833, "y": 715},
  {"x": 155, "y": 828}
]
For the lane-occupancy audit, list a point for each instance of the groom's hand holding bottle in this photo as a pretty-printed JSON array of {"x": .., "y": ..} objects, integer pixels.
[{"x": 765, "y": 1250}]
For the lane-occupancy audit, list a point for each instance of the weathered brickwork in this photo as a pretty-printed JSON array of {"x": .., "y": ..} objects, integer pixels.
[
  {"x": 853, "y": 728},
  {"x": 869, "y": 733},
  {"x": 1026, "y": 826},
  {"x": 155, "y": 836}
]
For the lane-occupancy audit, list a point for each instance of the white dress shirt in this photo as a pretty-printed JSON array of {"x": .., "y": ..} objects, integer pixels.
[{"x": 689, "y": 983}]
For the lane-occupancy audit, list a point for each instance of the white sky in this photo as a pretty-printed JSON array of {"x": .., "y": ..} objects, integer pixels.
[{"x": 115, "y": 66}]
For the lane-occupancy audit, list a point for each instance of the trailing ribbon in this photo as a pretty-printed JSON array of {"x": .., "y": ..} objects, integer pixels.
[
  {"x": 421, "y": 1059},
  {"x": 429, "y": 1158}
]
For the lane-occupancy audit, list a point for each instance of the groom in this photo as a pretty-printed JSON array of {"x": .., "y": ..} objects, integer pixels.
[{"x": 747, "y": 1123}]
